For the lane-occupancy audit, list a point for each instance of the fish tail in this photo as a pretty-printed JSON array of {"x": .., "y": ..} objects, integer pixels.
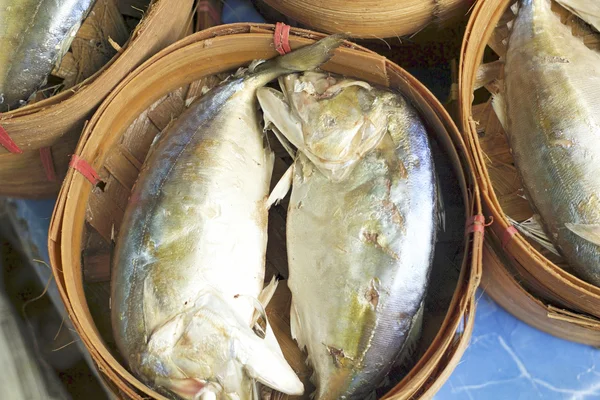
[{"x": 305, "y": 58}]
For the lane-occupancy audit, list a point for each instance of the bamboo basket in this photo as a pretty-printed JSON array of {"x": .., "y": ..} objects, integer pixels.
[
  {"x": 87, "y": 217},
  {"x": 522, "y": 276},
  {"x": 47, "y": 131},
  {"x": 369, "y": 19}
]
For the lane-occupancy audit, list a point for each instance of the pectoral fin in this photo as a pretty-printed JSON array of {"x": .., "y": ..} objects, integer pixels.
[
  {"x": 487, "y": 73},
  {"x": 276, "y": 111},
  {"x": 281, "y": 188},
  {"x": 296, "y": 327},
  {"x": 267, "y": 293},
  {"x": 268, "y": 366},
  {"x": 589, "y": 232},
  {"x": 499, "y": 106},
  {"x": 263, "y": 299}
]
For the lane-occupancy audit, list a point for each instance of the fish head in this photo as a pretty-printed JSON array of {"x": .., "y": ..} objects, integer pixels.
[
  {"x": 333, "y": 121},
  {"x": 209, "y": 350}
]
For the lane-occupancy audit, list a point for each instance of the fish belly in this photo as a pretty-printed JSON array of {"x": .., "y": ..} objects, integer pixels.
[
  {"x": 359, "y": 253},
  {"x": 203, "y": 227}
]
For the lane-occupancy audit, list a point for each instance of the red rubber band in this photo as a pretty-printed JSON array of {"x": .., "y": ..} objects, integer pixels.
[
  {"x": 85, "y": 169},
  {"x": 206, "y": 6},
  {"x": 48, "y": 163},
  {"x": 508, "y": 235},
  {"x": 281, "y": 38},
  {"x": 8, "y": 143},
  {"x": 476, "y": 223}
]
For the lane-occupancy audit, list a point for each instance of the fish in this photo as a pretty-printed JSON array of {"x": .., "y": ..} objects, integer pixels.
[
  {"x": 361, "y": 225},
  {"x": 189, "y": 262},
  {"x": 35, "y": 35},
  {"x": 550, "y": 110}
]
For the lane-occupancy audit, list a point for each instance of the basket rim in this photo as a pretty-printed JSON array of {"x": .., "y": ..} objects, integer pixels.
[
  {"x": 67, "y": 100},
  {"x": 463, "y": 303},
  {"x": 63, "y": 95},
  {"x": 384, "y": 22},
  {"x": 501, "y": 286},
  {"x": 48, "y": 136},
  {"x": 484, "y": 17}
]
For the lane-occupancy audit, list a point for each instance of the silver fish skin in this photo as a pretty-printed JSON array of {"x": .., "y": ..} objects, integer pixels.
[
  {"x": 551, "y": 114},
  {"x": 34, "y": 36},
  {"x": 360, "y": 243},
  {"x": 190, "y": 257}
]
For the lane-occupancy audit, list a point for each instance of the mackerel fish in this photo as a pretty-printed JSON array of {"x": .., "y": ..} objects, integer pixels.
[
  {"x": 34, "y": 36},
  {"x": 551, "y": 114},
  {"x": 361, "y": 226},
  {"x": 189, "y": 262}
]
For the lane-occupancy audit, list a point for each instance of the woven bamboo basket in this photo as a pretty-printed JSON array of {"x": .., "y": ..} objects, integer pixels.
[
  {"x": 87, "y": 217},
  {"x": 46, "y": 131},
  {"x": 522, "y": 276},
  {"x": 370, "y": 19}
]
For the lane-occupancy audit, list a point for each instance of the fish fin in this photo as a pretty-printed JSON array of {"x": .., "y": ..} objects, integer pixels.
[
  {"x": 267, "y": 293},
  {"x": 487, "y": 73},
  {"x": 296, "y": 326},
  {"x": 289, "y": 148},
  {"x": 277, "y": 112},
  {"x": 259, "y": 311},
  {"x": 589, "y": 232},
  {"x": 305, "y": 58},
  {"x": 264, "y": 298},
  {"x": 587, "y": 10},
  {"x": 499, "y": 106},
  {"x": 282, "y": 187},
  {"x": 229, "y": 344},
  {"x": 270, "y": 367},
  {"x": 532, "y": 228}
]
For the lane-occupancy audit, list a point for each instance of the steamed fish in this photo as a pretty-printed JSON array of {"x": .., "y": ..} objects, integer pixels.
[
  {"x": 34, "y": 36},
  {"x": 361, "y": 226},
  {"x": 551, "y": 113},
  {"x": 190, "y": 259}
]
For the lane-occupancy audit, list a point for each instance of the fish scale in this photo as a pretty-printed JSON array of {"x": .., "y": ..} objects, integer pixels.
[{"x": 35, "y": 34}]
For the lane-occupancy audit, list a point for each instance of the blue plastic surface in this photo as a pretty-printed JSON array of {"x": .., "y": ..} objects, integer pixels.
[
  {"x": 239, "y": 11},
  {"x": 508, "y": 359}
]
